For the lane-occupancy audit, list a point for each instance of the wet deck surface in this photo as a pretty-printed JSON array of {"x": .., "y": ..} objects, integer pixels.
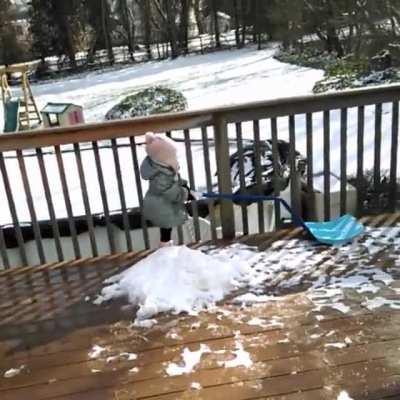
[{"x": 285, "y": 349}]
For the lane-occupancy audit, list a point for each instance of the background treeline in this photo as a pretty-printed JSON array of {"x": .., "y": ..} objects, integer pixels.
[{"x": 76, "y": 30}]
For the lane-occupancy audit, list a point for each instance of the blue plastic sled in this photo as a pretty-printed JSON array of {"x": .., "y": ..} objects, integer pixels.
[{"x": 337, "y": 232}]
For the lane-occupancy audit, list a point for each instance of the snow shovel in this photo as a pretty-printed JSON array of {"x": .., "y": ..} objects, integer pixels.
[{"x": 336, "y": 232}]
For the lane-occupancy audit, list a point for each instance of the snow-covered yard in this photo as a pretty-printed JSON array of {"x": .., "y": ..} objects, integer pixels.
[{"x": 212, "y": 80}]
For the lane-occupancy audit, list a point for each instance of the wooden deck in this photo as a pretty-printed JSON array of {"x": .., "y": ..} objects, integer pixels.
[{"x": 48, "y": 326}]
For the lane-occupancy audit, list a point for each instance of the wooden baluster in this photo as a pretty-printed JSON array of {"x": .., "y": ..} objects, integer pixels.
[
  {"x": 67, "y": 200},
  {"x": 294, "y": 175},
  {"x": 242, "y": 179},
  {"x": 192, "y": 184},
  {"x": 310, "y": 152},
  {"x": 139, "y": 191},
  {"x": 327, "y": 167},
  {"x": 103, "y": 194},
  {"x": 31, "y": 207},
  {"x": 125, "y": 219},
  {"x": 276, "y": 167},
  {"x": 50, "y": 206},
  {"x": 393, "y": 157},
  {"x": 343, "y": 161},
  {"x": 360, "y": 160},
  {"x": 377, "y": 152},
  {"x": 211, "y": 208},
  {"x": 224, "y": 175},
  {"x": 259, "y": 183}
]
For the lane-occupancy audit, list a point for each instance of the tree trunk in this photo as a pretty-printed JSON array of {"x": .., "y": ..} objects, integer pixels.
[
  {"x": 258, "y": 23},
  {"x": 147, "y": 27},
  {"x": 171, "y": 29},
  {"x": 105, "y": 12},
  {"x": 333, "y": 42},
  {"x": 237, "y": 23},
  {"x": 243, "y": 13},
  {"x": 216, "y": 24},
  {"x": 184, "y": 26},
  {"x": 198, "y": 16},
  {"x": 127, "y": 26}
]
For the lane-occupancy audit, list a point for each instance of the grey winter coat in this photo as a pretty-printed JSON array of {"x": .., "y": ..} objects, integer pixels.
[{"x": 164, "y": 201}]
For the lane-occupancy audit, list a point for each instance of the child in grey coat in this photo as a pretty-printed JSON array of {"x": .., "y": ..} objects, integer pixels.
[{"x": 164, "y": 202}]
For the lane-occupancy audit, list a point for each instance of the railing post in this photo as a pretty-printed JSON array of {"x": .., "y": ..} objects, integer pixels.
[{"x": 224, "y": 175}]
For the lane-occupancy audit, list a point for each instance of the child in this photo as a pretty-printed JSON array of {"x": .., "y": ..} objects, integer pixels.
[{"x": 164, "y": 203}]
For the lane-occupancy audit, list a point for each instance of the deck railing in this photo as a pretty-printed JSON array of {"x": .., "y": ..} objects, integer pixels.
[{"x": 94, "y": 170}]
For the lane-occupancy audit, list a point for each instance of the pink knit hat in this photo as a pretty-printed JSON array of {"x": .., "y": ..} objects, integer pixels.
[{"x": 162, "y": 150}]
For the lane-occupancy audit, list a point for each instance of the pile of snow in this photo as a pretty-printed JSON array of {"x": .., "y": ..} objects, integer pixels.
[{"x": 176, "y": 279}]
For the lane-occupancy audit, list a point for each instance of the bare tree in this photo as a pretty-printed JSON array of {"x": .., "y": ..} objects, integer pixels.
[
  {"x": 214, "y": 12},
  {"x": 126, "y": 20}
]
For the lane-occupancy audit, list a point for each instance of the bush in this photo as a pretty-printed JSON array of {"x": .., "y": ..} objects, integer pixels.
[
  {"x": 375, "y": 198},
  {"x": 347, "y": 66},
  {"x": 153, "y": 100}
]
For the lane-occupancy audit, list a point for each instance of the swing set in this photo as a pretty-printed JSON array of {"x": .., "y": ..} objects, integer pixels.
[{"x": 20, "y": 113}]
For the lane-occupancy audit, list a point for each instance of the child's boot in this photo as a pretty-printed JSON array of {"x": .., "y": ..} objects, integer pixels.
[{"x": 166, "y": 244}]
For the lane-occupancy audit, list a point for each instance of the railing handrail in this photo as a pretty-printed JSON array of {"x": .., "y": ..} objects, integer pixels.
[{"x": 197, "y": 118}]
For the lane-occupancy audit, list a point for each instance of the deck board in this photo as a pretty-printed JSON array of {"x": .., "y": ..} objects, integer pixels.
[{"x": 47, "y": 325}]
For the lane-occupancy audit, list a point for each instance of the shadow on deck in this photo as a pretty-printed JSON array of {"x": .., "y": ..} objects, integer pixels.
[{"x": 294, "y": 347}]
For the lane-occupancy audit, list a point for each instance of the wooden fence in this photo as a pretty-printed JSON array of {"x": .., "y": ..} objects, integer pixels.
[{"x": 216, "y": 132}]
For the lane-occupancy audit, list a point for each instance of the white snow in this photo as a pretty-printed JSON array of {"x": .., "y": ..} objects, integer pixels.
[
  {"x": 343, "y": 395},
  {"x": 242, "y": 358},
  {"x": 96, "y": 351},
  {"x": 377, "y": 302},
  {"x": 256, "y": 321},
  {"x": 194, "y": 280},
  {"x": 195, "y": 386},
  {"x": 215, "y": 79},
  {"x": 145, "y": 323},
  {"x": 187, "y": 281},
  {"x": 190, "y": 360},
  {"x": 336, "y": 345},
  {"x": 252, "y": 298},
  {"x": 11, "y": 373}
]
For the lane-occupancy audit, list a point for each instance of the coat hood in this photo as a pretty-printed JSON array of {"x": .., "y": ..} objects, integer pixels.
[{"x": 149, "y": 168}]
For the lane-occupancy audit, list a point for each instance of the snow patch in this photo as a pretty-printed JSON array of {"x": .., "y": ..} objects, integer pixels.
[
  {"x": 378, "y": 302},
  {"x": 195, "y": 386},
  {"x": 242, "y": 358},
  {"x": 11, "y": 373},
  {"x": 190, "y": 360},
  {"x": 336, "y": 345},
  {"x": 343, "y": 395},
  {"x": 96, "y": 351},
  {"x": 145, "y": 323}
]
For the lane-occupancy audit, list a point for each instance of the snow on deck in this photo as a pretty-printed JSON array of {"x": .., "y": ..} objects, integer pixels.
[{"x": 294, "y": 345}]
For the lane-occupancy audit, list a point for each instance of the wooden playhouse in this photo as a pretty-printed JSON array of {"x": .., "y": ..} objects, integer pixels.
[{"x": 62, "y": 114}]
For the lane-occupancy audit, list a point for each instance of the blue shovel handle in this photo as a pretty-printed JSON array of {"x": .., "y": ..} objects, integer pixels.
[{"x": 297, "y": 220}]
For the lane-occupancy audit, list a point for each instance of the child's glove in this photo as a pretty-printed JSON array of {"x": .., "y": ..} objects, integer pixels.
[{"x": 192, "y": 195}]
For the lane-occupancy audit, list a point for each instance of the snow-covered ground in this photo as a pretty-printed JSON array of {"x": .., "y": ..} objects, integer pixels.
[{"x": 215, "y": 79}]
